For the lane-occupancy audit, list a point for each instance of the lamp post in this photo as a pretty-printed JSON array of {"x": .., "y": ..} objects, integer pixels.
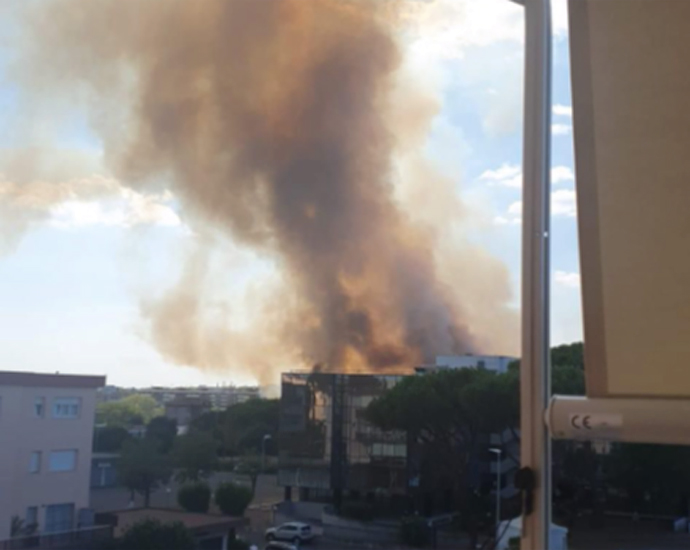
[
  {"x": 263, "y": 451},
  {"x": 497, "y": 452}
]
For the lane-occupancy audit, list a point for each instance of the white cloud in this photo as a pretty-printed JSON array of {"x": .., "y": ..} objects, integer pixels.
[
  {"x": 515, "y": 209},
  {"x": 449, "y": 27},
  {"x": 507, "y": 175},
  {"x": 560, "y": 174},
  {"x": 563, "y": 205},
  {"x": 561, "y": 129},
  {"x": 567, "y": 279},
  {"x": 93, "y": 200},
  {"x": 562, "y": 110},
  {"x": 510, "y": 175},
  {"x": 487, "y": 37},
  {"x": 446, "y": 28},
  {"x": 131, "y": 209}
]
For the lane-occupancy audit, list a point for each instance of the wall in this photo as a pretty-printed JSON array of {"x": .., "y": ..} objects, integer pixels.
[{"x": 23, "y": 433}]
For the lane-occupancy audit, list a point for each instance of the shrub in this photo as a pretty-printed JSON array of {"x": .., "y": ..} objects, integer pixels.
[
  {"x": 233, "y": 499},
  {"x": 414, "y": 531},
  {"x": 360, "y": 511},
  {"x": 195, "y": 497},
  {"x": 151, "y": 534}
]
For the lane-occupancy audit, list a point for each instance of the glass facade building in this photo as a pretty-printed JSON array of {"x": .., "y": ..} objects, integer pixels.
[{"x": 327, "y": 448}]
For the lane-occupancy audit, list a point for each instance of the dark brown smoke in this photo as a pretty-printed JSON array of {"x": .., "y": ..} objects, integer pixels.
[{"x": 271, "y": 118}]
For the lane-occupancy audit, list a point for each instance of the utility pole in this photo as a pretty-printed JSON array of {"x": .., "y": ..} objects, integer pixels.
[{"x": 497, "y": 535}]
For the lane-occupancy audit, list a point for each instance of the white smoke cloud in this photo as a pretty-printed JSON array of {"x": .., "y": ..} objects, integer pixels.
[{"x": 78, "y": 202}]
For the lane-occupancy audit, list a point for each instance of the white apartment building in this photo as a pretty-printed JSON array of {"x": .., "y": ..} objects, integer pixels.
[
  {"x": 46, "y": 431},
  {"x": 218, "y": 397},
  {"x": 497, "y": 363}
]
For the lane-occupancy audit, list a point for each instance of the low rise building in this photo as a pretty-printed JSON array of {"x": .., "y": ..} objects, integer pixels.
[
  {"x": 218, "y": 397},
  {"x": 185, "y": 409},
  {"x": 46, "y": 428},
  {"x": 327, "y": 448},
  {"x": 496, "y": 363}
]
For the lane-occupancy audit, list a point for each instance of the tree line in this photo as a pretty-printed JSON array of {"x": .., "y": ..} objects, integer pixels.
[
  {"x": 449, "y": 414},
  {"x": 145, "y": 464}
]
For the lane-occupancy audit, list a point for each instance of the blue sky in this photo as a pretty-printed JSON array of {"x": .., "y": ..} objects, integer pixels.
[{"x": 72, "y": 278}]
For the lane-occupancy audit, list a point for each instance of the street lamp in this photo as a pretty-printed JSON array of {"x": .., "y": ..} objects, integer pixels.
[
  {"x": 263, "y": 451},
  {"x": 497, "y": 452}
]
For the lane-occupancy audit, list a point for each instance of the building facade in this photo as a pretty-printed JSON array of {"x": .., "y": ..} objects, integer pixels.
[
  {"x": 327, "y": 448},
  {"x": 218, "y": 397},
  {"x": 496, "y": 363},
  {"x": 185, "y": 409},
  {"x": 46, "y": 429},
  {"x": 328, "y": 451}
]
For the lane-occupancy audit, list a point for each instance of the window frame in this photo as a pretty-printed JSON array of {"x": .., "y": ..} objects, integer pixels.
[
  {"x": 38, "y": 464},
  {"x": 57, "y": 411},
  {"x": 33, "y": 513},
  {"x": 75, "y": 454},
  {"x": 59, "y": 524},
  {"x": 41, "y": 401}
]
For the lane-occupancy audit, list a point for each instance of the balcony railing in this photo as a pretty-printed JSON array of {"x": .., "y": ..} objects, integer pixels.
[{"x": 74, "y": 540}]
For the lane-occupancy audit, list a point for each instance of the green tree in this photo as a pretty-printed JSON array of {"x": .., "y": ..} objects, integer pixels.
[
  {"x": 127, "y": 412},
  {"x": 240, "y": 428},
  {"x": 445, "y": 415},
  {"x": 233, "y": 499},
  {"x": 655, "y": 478},
  {"x": 567, "y": 380},
  {"x": 151, "y": 534},
  {"x": 568, "y": 355},
  {"x": 196, "y": 456},
  {"x": 142, "y": 468},
  {"x": 109, "y": 439},
  {"x": 250, "y": 466},
  {"x": 163, "y": 431},
  {"x": 195, "y": 497}
]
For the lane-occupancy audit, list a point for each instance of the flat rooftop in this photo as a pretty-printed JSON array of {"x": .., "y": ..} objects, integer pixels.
[{"x": 41, "y": 380}]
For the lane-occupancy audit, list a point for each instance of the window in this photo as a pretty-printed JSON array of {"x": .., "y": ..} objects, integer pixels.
[
  {"x": 35, "y": 462},
  {"x": 66, "y": 407},
  {"x": 31, "y": 516},
  {"x": 39, "y": 407},
  {"x": 63, "y": 461},
  {"x": 59, "y": 517}
]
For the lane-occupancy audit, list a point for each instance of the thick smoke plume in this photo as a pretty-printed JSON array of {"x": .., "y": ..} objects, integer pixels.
[{"x": 273, "y": 119}]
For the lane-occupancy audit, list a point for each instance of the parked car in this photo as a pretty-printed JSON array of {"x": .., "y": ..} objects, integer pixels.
[
  {"x": 277, "y": 545},
  {"x": 293, "y": 531}
]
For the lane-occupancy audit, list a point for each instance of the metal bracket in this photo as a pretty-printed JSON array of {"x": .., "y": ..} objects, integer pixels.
[{"x": 526, "y": 481}]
